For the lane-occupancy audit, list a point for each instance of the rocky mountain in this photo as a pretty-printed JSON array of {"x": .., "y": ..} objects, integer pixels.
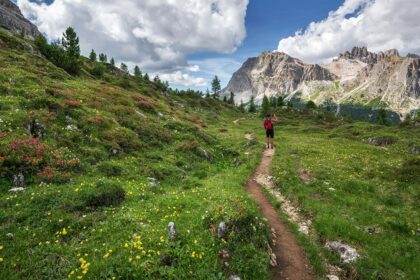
[
  {"x": 360, "y": 77},
  {"x": 274, "y": 73},
  {"x": 12, "y": 19}
]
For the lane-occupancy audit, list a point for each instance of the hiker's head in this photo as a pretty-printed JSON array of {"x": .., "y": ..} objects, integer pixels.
[{"x": 268, "y": 116}]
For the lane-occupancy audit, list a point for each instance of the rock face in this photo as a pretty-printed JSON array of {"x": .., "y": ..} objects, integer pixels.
[
  {"x": 356, "y": 77},
  {"x": 273, "y": 73},
  {"x": 12, "y": 19}
]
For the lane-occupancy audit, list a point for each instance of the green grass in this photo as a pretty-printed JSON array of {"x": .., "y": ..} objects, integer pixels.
[
  {"x": 375, "y": 203},
  {"x": 88, "y": 210}
]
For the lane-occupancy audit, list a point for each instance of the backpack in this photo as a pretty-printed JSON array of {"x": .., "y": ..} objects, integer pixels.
[{"x": 268, "y": 124}]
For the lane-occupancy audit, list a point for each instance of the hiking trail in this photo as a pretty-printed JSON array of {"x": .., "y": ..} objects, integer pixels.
[{"x": 288, "y": 260}]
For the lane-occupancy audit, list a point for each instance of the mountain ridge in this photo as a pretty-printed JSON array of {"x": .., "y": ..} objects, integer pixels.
[{"x": 383, "y": 79}]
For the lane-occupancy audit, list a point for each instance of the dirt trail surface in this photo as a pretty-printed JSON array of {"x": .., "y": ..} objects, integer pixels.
[{"x": 290, "y": 261}]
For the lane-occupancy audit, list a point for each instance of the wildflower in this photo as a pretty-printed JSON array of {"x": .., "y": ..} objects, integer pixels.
[
  {"x": 1, "y": 260},
  {"x": 1, "y": 247}
]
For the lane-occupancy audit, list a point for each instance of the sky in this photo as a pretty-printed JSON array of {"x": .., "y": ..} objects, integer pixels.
[{"x": 188, "y": 42}]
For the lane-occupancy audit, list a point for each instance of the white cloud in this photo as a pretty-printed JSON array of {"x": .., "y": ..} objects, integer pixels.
[
  {"x": 156, "y": 34},
  {"x": 183, "y": 79},
  {"x": 377, "y": 24},
  {"x": 194, "y": 68}
]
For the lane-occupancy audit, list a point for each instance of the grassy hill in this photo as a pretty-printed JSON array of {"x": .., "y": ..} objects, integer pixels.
[
  {"x": 116, "y": 160},
  {"x": 360, "y": 185}
]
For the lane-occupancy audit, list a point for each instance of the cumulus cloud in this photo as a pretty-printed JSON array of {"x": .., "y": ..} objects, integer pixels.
[
  {"x": 377, "y": 24},
  {"x": 183, "y": 79},
  {"x": 156, "y": 34}
]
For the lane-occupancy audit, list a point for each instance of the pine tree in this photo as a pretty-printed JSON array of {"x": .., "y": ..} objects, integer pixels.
[
  {"x": 137, "y": 72},
  {"x": 124, "y": 67},
  {"x": 92, "y": 56},
  {"x": 273, "y": 102},
  {"x": 112, "y": 62},
  {"x": 280, "y": 101},
  {"x": 70, "y": 43},
  {"x": 225, "y": 99},
  {"x": 207, "y": 93},
  {"x": 252, "y": 108},
  {"x": 265, "y": 106},
  {"x": 216, "y": 88},
  {"x": 381, "y": 118},
  {"x": 310, "y": 105},
  {"x": 146, "y": 77},
  {"x": 103, "y": 58},
  {"x": 232, "y": 98},
  {"x": 69, "y": 61},
  {"x": 242, "y": 107}
]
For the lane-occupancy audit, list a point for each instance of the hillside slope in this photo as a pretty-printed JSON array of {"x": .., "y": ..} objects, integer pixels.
[{"x": 105, "y": 166}]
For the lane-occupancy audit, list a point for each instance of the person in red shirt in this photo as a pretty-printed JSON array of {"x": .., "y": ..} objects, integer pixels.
[{"x": 269, "y": 130}]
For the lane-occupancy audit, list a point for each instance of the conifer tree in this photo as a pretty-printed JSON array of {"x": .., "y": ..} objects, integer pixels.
[
  {"x": 146, "y": 77},
  {"x": 252, "y": 108},
  {"x": 242, "y": 107},
  {"x": 112, "y": 62},
  {"x": 124, "y": 67},
  {"x": 103, "y": 58},
  {"x": 381, "y": 118},
  {"x": 265, "y": 106},
  {"x": 207, "y": 93},
  {"x": 215, "y": 87},
  {"x": 70, "y": 43},
  {"x": 92, "y": 56},
  {"x": 280, "y": 101},
  {"x": 137, "y": 72},
  {"x": 232, "y": 98},
  {"x": 225, "y": 99}
]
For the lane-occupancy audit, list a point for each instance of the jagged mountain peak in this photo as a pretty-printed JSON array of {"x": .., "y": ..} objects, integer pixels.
[{"x": 364, "y": 55}]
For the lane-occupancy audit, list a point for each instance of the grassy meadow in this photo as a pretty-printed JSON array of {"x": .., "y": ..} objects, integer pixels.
[
  {"x": 116, "y": 160},
  {"x": 364, "y": 194}
]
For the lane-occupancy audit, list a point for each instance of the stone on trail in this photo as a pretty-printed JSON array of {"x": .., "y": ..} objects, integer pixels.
[
  {"x": 347, "y": 254},
  {"x": 234, "y": 277},
  {"x": 332, "y": 277},
  {"x": 172, "y": 230}
]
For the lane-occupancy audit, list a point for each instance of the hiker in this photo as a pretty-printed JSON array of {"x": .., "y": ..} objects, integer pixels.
[{"x": 269, "y": 129}]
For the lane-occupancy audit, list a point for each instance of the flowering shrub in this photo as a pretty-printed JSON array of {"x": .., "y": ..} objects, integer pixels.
[{"x": 31, "y": 156}]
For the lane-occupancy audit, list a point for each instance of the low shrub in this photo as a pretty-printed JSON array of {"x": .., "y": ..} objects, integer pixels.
[
  {"x": 109, "y": 168},
  {"x": 104, "y": 194}
]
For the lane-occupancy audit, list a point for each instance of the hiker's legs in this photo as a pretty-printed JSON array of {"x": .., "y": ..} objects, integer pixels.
[
  {"x": 272, "y": 142},
  {"x": 268, "y": 143}
]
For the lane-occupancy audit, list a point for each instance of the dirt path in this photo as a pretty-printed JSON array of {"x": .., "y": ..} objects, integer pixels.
[{"x": 292, "y": 263}]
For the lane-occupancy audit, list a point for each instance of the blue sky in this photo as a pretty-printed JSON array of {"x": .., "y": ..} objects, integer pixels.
[
  {"x": 268, "y": 21},
  {"x": 187, "y": 42}
]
